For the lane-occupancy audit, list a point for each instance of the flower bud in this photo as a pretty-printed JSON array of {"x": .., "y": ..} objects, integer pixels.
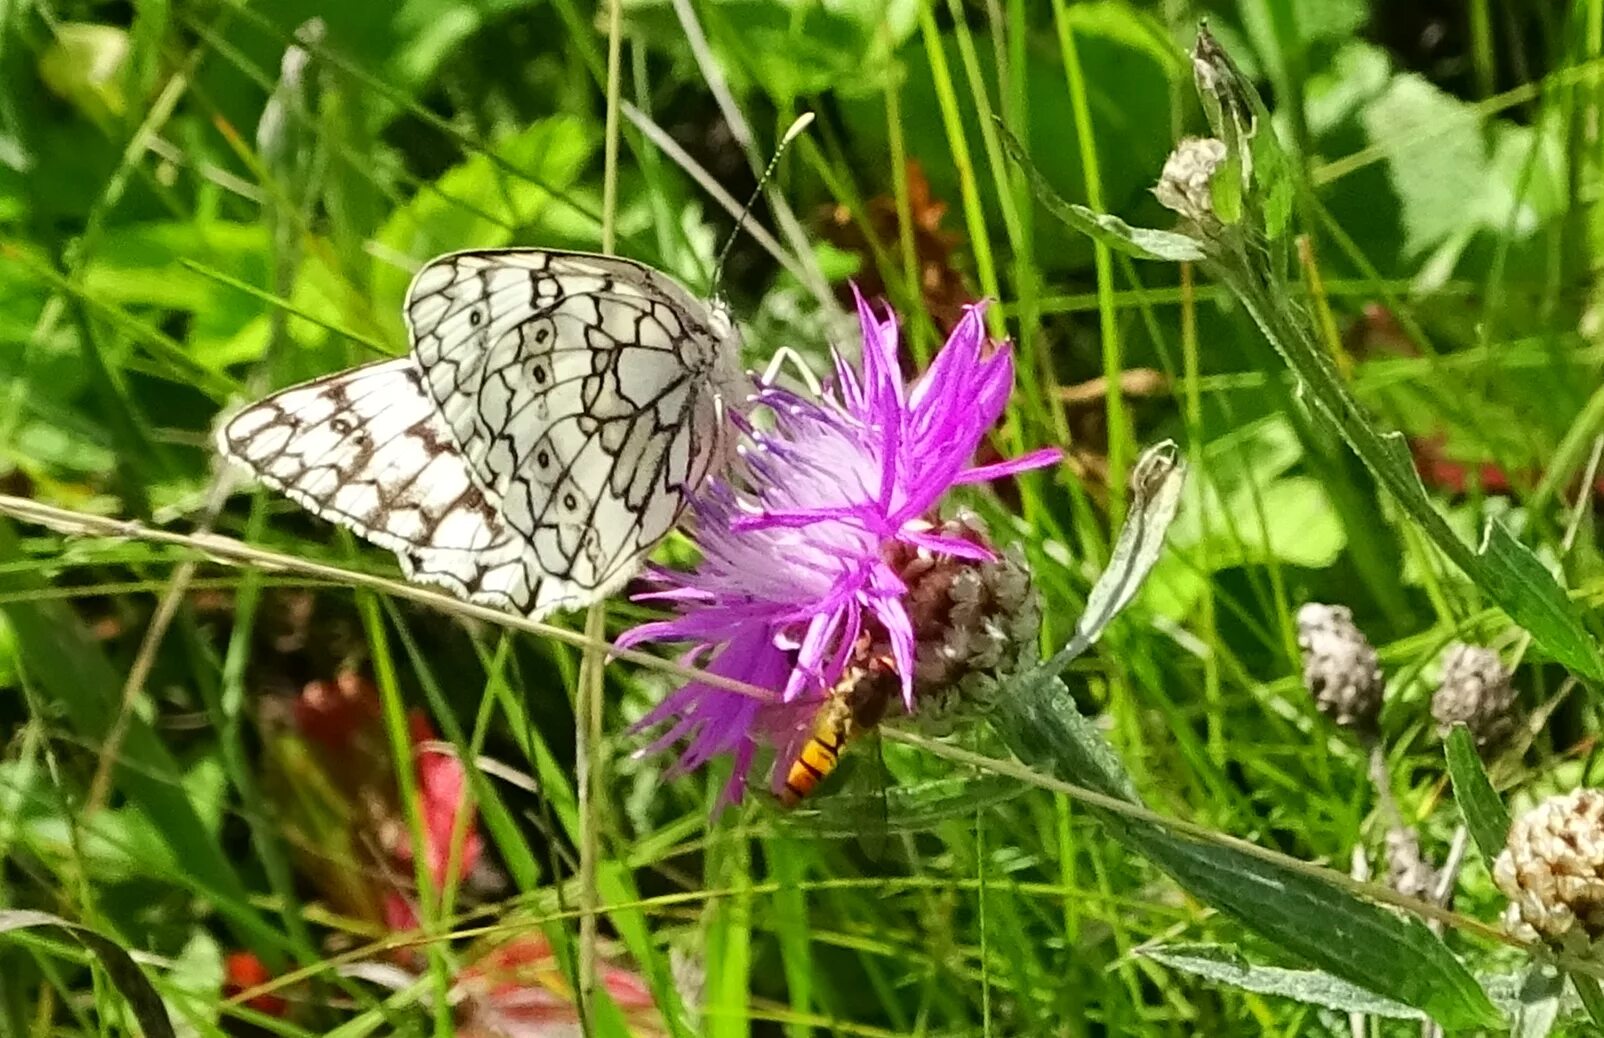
[
  {"x": 1474, "y": 691},
  {"x": 1552, "y": 871},
  {"x": 974, "y": 624},
  {"x": 1340, "y": 668},
  {"x": 1184, "y": 186}
]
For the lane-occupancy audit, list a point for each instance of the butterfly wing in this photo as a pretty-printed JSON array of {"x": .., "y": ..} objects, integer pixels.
[
  {"x": 584, "y": 392},
  {"x": 367, "y": 449}
]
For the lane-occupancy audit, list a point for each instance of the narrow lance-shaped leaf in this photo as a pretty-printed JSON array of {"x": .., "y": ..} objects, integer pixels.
[
  {"x": 1223, "y": 965},
  {"x": 120, "y": 967},
  {"x": 1156, "y": 482},
  {"x": 1396, "y": 958},
  {"x": 1484, "y": 813},
  {"x": 1140, "y": 242}
]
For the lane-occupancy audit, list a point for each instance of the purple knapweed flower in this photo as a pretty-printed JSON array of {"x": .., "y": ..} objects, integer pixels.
[{"x": 804, "y": 545}]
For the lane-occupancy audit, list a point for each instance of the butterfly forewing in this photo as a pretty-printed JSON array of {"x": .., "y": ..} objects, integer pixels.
[
  {"x": 582, "y": 391},
  {"x": 367, "y": 449}
]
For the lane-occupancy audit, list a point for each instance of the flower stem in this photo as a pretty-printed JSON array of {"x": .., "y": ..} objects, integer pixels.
[
  {"x": 588, "y": 768},
  {"x": 588, "y": 701}
]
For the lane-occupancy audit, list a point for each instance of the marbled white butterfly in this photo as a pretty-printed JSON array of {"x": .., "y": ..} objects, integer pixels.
[{"x": 554, "y": 415}]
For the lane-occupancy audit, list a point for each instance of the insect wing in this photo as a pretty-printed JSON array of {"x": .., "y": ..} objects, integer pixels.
[{"x": 367, "y": 449}]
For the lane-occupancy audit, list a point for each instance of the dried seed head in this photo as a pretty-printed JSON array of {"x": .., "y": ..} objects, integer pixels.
[
  {"x": 1408, "y": 872},
  {"x": 1475, "y": 691},
  {"x": 1184, "y": 185},
  {"x": 974, "y": 624},
  {"x": 1340, "y": 668},
  {"x": 1552, "y": 871}
]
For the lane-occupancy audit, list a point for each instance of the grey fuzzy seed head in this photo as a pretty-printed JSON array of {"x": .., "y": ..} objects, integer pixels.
[
  {"x": 1474, "y": 691},
  {"x": 1340, "y": 667},
  {"x": 1408, "y": 872},
  {"x": 1552, "y": 871}
]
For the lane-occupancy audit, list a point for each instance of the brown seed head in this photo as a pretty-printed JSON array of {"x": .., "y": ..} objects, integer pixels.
[
  {"x": 1475, "y": 691},
  {"x": 1340, "y": 668}
]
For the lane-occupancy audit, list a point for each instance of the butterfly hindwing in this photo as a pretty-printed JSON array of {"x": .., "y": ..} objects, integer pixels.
[
  {"x": 579, "y": 389},
  {"x": 367, "y": 449}
]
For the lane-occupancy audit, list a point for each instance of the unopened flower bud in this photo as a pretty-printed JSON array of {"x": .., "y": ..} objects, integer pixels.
[
  {"x": 1475, "y": 691},
  {"x": 1184, "y": 186},
  {"x": 1552, "y": 871},
  {"x": 1340, "y": 668}
]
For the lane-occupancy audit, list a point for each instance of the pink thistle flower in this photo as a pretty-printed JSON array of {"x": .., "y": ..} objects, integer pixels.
[{"x": 802, "y": 550}]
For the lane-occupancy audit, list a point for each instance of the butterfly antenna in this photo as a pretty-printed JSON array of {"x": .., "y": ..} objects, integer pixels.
[{"x": 802, "y": 122}]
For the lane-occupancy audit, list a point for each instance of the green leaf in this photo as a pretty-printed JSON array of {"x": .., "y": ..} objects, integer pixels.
[
  {"x": 905, "y": 807},
  {"x": 1396, "y": 958},
  {"x": 1223, "y": 965},
  {"x": 1287, "y": 520},
  {"x": 431, "y": 30},
  {"x": 120, "y": 967},
  {"x": 792, "y": 48},
  {"x": 1484, "y": 812},
  {"x": 1534, "y": 998},
  {"x": 1139, "y": 242},
  {"x": 1037, "y": 718},
  {"x": 482, "y": 202},
  {"x": 1587, "y": 990},
  {"x": 84, "y": 65},
  {"x": 1042, "y": 720},
  {"x": 195, "y": 981},
  {"x": 1514, "y": 577},
  {"x": 1156, "y": 482}
]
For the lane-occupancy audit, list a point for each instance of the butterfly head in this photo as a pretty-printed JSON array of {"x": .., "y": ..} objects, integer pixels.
[
  {"x": 730, "y": 382},
  {"x": 721, "y": 320}
]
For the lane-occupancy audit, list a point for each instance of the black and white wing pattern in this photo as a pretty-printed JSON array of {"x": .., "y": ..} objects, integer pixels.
[
  {"x": 585, "y": 393},
  {"x": 367, "y": 449}
]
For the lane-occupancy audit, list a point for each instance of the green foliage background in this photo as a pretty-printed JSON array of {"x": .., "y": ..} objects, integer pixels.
[{"x": 185, "y": 221}]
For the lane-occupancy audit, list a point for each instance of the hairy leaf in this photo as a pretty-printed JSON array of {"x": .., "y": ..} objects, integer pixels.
[{"x": 1223, "y": 965}]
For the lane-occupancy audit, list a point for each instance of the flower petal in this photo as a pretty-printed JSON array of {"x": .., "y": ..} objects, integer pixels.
[{"x": 1036, "y": 459}]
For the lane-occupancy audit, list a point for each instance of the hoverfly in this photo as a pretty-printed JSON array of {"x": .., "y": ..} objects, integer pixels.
[{"x": 855, "y": 706}]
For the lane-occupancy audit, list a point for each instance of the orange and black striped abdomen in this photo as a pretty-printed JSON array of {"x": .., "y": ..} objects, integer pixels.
[{"x": 820, "y": 755}]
